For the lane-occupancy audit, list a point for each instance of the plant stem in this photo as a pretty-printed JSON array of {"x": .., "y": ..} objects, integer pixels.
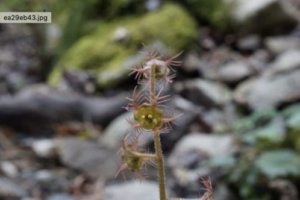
[
  {"x": 157, "y": 142},
  {"x": 152, "y": 83},
  {"x": 160, "y": 166}
]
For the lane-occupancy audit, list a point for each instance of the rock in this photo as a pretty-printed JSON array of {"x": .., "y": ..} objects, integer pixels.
[
  {"x": 280, "y": 44},
  {"x": 259, "y": 61},
  {"x": 116, "y": 130},
  {"x": 235, "y": 71},
  {"x": 191, "y": 155},
  {"x": 269, "y": 13},
  {"x": 9, "y": 169},
  {"x": 78, "y": 81},
  {"x": 211, "y": 145},
  {"x": 215, "y": 12},
  {"x": 132, "y": 190},
  {"x": 44, "y": 147},
  {"x": 11, "y": 189},
  {"x": 60, "y": 196},
  {"x": 210, "y": 63},
  {"x": 208, "y": 93},
  {"x": 88, "y": 157},
  {"x": 220, "y": 120},
  {"x": 20, "y": 59},
  {"x": 267, "y": 92},
  {"x": 109, "y": 59},
  {"x": 222, "y": 192},
  {"x": 152, "y": 5},
  {"x": 39, "y": 107},
  {"x": 249, "y": 43},
  {"x": 287, "y": 61},
  {"x": 191, "y": 62},
  {"x": 52, "y": 180}
]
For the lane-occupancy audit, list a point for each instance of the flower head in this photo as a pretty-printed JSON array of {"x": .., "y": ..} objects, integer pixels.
[{"x": 133, "y": 159}]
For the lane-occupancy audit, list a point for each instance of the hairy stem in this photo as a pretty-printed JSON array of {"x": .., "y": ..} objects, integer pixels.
[
  {"x": 160, "y": 166},
  {"x": 152, "y": 83},
  {"x": 158, "y": 149}
]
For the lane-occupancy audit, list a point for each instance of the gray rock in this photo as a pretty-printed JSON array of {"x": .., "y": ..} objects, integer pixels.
[
  {"x": 116, "y": 130},
  {"x": 210, "y": 63},
  {"x": 132, "y": 190},
  {"x": 220, "y": 120},
  {"x": 9, "y": 169},
  {"x": 44, "y": 147},
  {"x": 91, "y": 158},
  {"x": 206, "y": 92},
  {"x": 191, "y": 62},
  {"x": 289, "y": 60},
  {"x": 270, "y": 14},
  {"x": 234, "y": 71},
  {"x": 280, "y": 44},
  {"x": 266, "y": 91},
  {"x": 60, "y": 196},
  {"x": 222, "y": 192},
  {"x": 246, "y": 9},
  {"x": 249, "y": 43},
  {"x": 190, "y": 154},
  {"x": 20, "y": 61},
  {"x": 211, "y": 145},
  {"x": 9, "y": 188}
]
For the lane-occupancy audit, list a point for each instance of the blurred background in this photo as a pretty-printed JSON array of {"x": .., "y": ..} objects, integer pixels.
[{"x": 63, "y": 86}]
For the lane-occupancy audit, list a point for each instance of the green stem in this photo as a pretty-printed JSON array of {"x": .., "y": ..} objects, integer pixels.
[
  {"x": 160, "y": 166},
  {"x": 158, "y": 149}
]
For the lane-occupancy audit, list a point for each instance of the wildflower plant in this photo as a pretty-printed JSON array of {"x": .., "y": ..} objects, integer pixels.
[{"x": 150, "y": 115}]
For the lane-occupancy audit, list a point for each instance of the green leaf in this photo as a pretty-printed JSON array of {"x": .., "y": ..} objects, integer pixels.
[
  {"x": 293, "y": 122},
  {"x": 279, "y": 163},
  {"x": 272, "y": 133}
]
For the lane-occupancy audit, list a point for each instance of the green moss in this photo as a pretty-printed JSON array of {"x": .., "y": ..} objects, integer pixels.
[
  {"x": 100, "y": 53},
  {"x": 213, "y": 12}
]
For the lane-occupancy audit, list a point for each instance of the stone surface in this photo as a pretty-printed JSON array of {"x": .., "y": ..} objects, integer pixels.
[
  {"x": 11, "y": 189},
  {"x": 234, "y": 71},
  {"x": 20, "y": 58},
  {"x": 211, "y": 62},
  {"x": 249, "y": 43},
  {"x": 132, "y": 190},
  {"x": 269, "y": 13},
  {"x": 9, "y": 169},
  {"x": 220, "y": 120},
  {"x": 60, "y": 196},
  {"x": 205, "y": 92},
  {"x": 88, "y": 157},
  {"x": 287, "y": 61},
  {"x": 44, "y": 148},
  {"x": 191, "y": 62},
  {"x": 268, "y": 91},
  {"x": 211, "y": 145},
  {"x": 280, "y": 44}
]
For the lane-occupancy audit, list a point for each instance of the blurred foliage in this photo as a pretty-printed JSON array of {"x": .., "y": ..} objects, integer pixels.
[
  {"x": 100, "y": 52},
  {"x": 215, "y": 13},
  {"x": 279, "y": 163},
  {"x": 270, "y": 142}
]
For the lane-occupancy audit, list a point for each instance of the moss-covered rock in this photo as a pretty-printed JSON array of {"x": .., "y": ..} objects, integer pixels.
[
  {"x": 216, "y": 13},
  {"x": 106, "y": 54}
]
